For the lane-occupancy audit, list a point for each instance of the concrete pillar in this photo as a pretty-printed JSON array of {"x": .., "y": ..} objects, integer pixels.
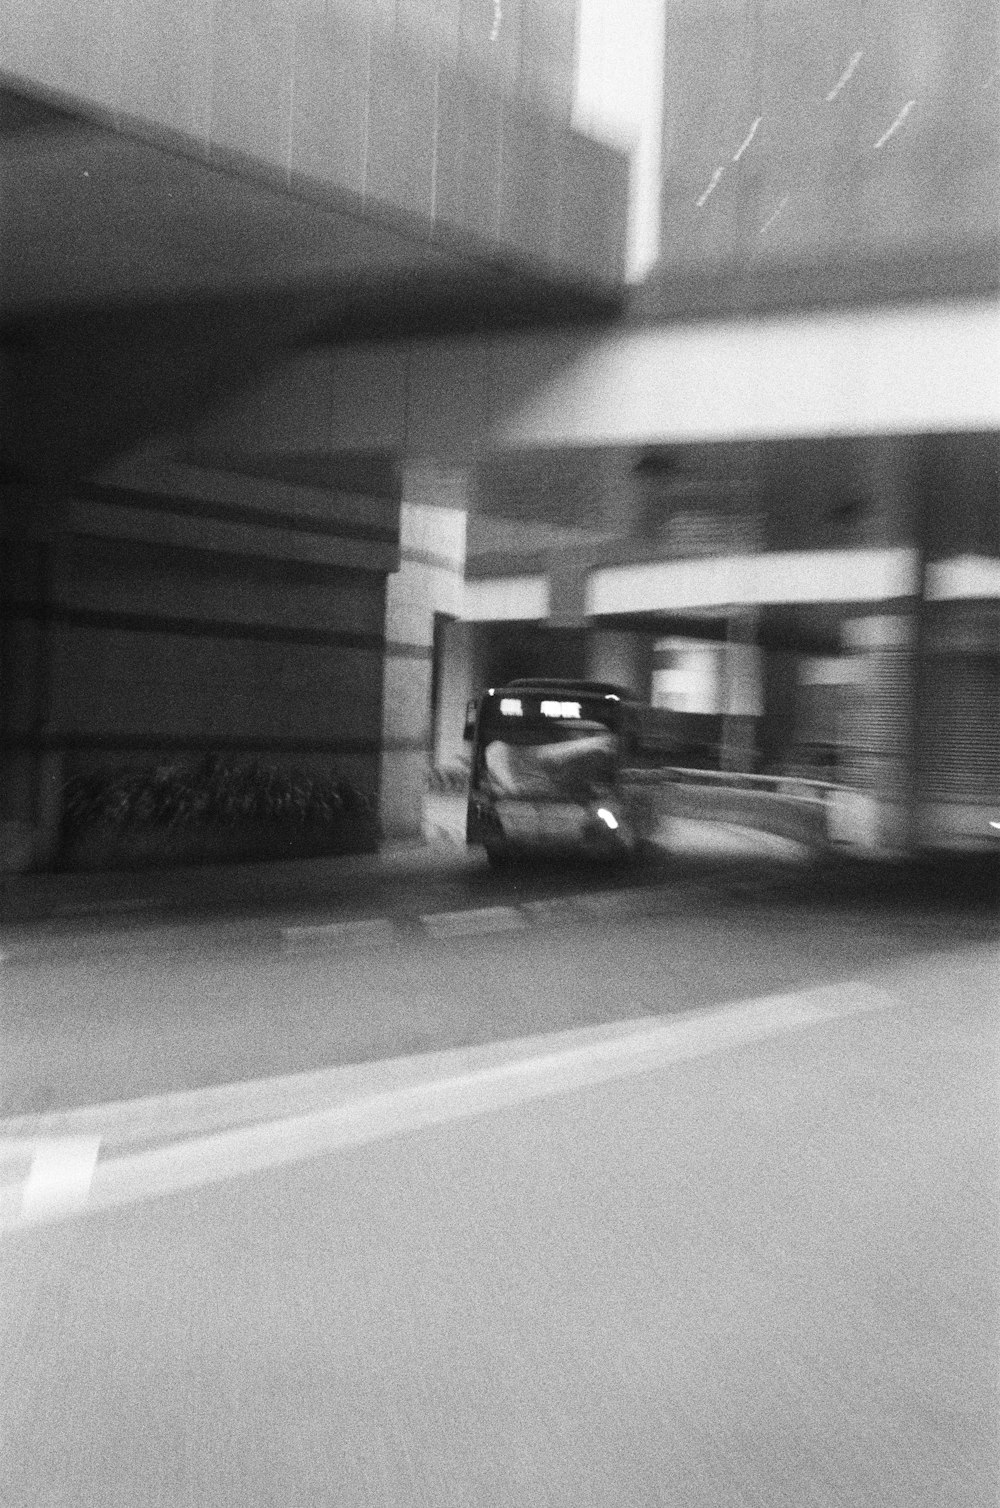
[
  {"x": 776, "y": 732},
  {"x": 622, "y": 656},
  {"x": 874, "y": 812},
  {"x": 429, "y": 582},
  {"x": 459, "y": 683},
  {"x": 741, "y": 694}
]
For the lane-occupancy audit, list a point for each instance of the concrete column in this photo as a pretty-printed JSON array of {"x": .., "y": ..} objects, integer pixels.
[
  {"x": 429, "y": 581},
  {"x": 741, "y": 694},
  {"x": 458, "y": 685},
  {"x": 776, "y": 734},
  {"x": 874, "y": 812}
]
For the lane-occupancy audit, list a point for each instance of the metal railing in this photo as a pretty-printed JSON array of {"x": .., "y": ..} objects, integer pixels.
[
  {"x": 731, "y": 779},
  {"x": 802, "y": 786},
  {"x": 790, "y": 806}
]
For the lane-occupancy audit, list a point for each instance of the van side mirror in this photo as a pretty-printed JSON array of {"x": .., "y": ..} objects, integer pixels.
[{"x": 469, "y": 731}]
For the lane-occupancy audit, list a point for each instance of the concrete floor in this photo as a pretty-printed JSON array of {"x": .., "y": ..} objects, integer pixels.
[{"x": 762, "y": 1274}]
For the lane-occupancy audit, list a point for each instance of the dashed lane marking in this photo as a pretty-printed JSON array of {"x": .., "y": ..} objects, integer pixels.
[
  {"x": 620, "y": 904},
  {"x": 475, "y": 923},
  {"x": 371, "y": 932}
]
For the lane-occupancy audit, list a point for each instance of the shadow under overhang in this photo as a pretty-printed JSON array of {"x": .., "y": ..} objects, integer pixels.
[
  {"x": 145, "y": 278},
  {"x": 99, "y": 215}
]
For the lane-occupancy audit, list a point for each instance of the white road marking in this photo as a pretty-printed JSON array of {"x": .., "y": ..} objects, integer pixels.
[
  {"x": 373, "y": 931},
  {"x": 508, "y": 1074},
  {"x": 59, "y": 1179},
  {"x": 476, "y": 922}
]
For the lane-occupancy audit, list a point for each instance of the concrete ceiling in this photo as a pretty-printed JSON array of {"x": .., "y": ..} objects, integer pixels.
[
  {"x": 96, "y": 216},
  {"x": 143, "y": 280}
]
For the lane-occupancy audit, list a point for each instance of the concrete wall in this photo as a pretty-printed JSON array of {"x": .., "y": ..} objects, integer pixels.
[
  {"x": 457, "y": 114},
  {"x": 793, "y": 130},
  {"x": 460, "y": 683},
  {"x": 179, "y": 613}
]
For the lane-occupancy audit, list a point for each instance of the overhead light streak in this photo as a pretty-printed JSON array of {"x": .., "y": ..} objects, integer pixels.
[
  {"x": 772, "y": 217},
  {"x": 845, "y": 77},
  {"x": 713, "y": 185},
  {"x": 895, "y": 125},
  {"x": 747, "y": 139}
]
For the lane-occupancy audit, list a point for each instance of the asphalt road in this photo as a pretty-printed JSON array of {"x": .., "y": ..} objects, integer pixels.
[
  {"x": 754, "y": 1263},
  {"x": 111, "y": 1012},
  {"x": 634, "y": 1194}
]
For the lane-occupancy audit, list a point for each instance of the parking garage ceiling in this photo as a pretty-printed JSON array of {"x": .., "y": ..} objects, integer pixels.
[{"x": 142, "y": 277}]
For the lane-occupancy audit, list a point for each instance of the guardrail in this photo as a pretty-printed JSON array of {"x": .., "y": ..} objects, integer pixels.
[
  {"x": 787, "y": 805},
  {"x": 731, "y": 779},
  {"x": 790, "y": 806},
  {"x": 740, "y": 780}
]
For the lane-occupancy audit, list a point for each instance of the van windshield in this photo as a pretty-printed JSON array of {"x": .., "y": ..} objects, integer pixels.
[{"x": 552, "y": 759}]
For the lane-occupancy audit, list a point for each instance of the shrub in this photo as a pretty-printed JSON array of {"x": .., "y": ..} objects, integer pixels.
[{"x": 210, "y": 793}]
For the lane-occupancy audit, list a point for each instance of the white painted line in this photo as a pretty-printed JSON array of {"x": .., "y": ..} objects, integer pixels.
[
  {"x": 475, "y": 923},
  {"x": 586, "y": 1059},
  {"x": 370, "y": 932},
  {"x": 60, "y": 1178}
]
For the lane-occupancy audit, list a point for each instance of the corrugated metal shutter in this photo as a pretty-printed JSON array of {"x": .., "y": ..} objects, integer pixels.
[
  {"x": 960, "y": 728},
  {"x": 876, "y": 719}
]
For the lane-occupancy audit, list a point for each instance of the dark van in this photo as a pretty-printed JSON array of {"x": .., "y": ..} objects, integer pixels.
[{"x": 561, "y": 766}]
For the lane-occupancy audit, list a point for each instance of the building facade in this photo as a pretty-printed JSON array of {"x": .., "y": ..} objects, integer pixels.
[
  {"x": 773, "y": 494},
  {"x": 268, "y": 272}
]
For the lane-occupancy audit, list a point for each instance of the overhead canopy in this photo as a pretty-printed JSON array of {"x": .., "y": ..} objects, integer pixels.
[
  {"x": 864, "y": 371},
  {"x": 94, "y": 215},
  {"x": 143, "y": 278}
]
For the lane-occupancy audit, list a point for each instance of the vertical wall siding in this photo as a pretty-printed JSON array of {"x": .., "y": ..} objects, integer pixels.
[
  {"x": 961, "y": 749},
  {"x": 960, "y": 705},
  {"x": 844, "y": 129},
  {"x": 399, "y": 105},
  {"x": 878, "y": 724}
]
